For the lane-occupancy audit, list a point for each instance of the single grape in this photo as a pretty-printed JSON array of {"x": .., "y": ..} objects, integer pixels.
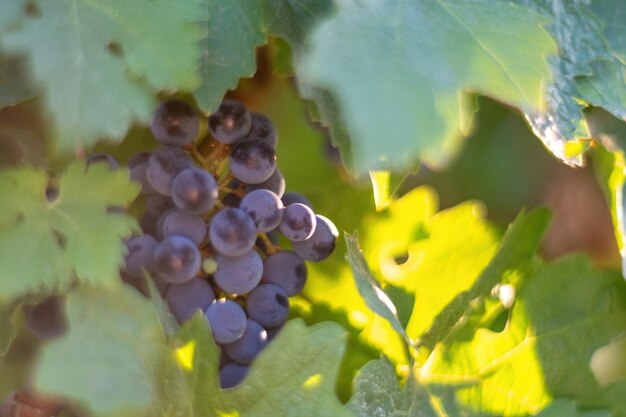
[
  {"x": 230, "y": 123},
  {"x": 249, "y": 345},
  {"x": 157, "y": 204},
  {"x": 264, "y": 207},
  {"x": 103, "y": 157},
  {"x": 232, "y": 232},
  {"x": 175, "y": 123},
  {"x": 298, "y": 222},
  {"x": 238, "y": 275},
  {"x": 262, "y": 129},
  {"x": 286, "y": 270},
  {"x": 139, "y": 256},
  {"x": 179, "y": 223},
  {"x": 290, "y": 198},
  {"x": 227, "y": 320},
  {"x": 194, "y": 190},
  {"x": 176, "y": 259},
  {"x": 46, "y": 320},
  {"x": 187, "y": 298},
  {"x": 268, "y": 304},
  {"x": 252, "y": 161},
  {"x": 139, "y": 174},
  {"x": 275, "y": 183},
  {"x": 232, "y": 374},
  {"x": 321, "y": 244},
  {"x": 164, "y": 165}
]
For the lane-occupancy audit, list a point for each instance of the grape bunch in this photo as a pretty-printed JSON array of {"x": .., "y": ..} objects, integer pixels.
[{"x": 212, "y": 223}]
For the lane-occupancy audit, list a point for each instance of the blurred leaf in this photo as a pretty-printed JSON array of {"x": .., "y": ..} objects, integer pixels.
[
  {"x": 111, "y": 357},
  {"x": 43, "y": 244},
  {"x": 380, "y": 185},
  {"x": 562, "y": 408},
  {"x": 100, "y": 62},
  {"x": 10, "y": 13},
  {"x": 293, "y": 376},
  {"x": 414, "y": 60},
  {"x": 15, "y": 85},
  {"x": 588, "y": 70},
  {"x": 7, "y": 329},
  {"x": 370, "y": 289}
]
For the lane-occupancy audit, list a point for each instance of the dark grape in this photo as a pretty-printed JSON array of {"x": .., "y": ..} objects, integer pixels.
[
  {"x": 230, "y": 123},
  {"x": 139, "y": 174},
  {"x": 264, "y": 207},
  {"x": 175, "y": 123},
  {"x": 179, "y": 223},
  {"x": 252, "y": 161},
  {"x": 164, "y": 165},
  {"x": 187, "y": 298},
  {"x": 227, "y": 320},
  {"x": 321, "y": 244},
  {"x": 176, "y": 259},
  {"x": 232, "y": 374},
  {"x": 157, "y": 204},
  {"x": 290, "y": 198},
  {"x": 231, "y": 200},
  {"x": 138, "y": 159},
  {"x": 232, "y": 232},
  {"x": 139, "y": 257},
  {"x": 249, "y": 345},
  {"x": 275, "y": 183},
  {"x": 262, "y": 129},
  {"x": 298, "y": 222},
  {"x": 148, "y": 224},
  {"x": 239, "y": 275},
  {"x": 268, "y": 304},
  {"x": 194, "y": 190},
  {"x": 47, "y": 319},
  {"x": 286, "y": 270}
]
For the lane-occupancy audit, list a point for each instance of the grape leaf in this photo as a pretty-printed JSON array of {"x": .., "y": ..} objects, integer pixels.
[
  {"x": 15, "y": 85},
  {"x": 99, "y": 62},
  {"x": 563, "y": 312},
  {"x": 44, "y": 244},
  {"x": 110, "y": 358},
  {"x": 293, "y": 376},
  {"x": 413, "y": 60},
  {"x": 588, "y": 70},
  {"x": 10, "y": 13}
]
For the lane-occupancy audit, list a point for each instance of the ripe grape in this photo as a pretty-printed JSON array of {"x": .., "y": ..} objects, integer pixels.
[
  {"x": 227, "y": 320},
  {"x": 139, "y": 174},
  {"x": 176, "y": 259},
  {"x": 290, "y": 198},
  {"x": 286, "y": 270},
  {"x": 321, "y": 244},
  {"x": 245, "y": 349},
  {"x": 262, "y": 129},
  {"x": 164, "y": 165},
  {"x": 179, "y": 223},
  {"x": 232, "y": 232},
  {"x": 252, "y": 161},
  {"x": 175, "y": 123},
  {"x": 194, "y": 190},
  {"x": 157, "y": 204},
  {"x": 239, "y": 275},
  {"x": 46, "y": 320},
  {"x": 268, "y": 305},
  {"x": 264, "y": 207},
  {"x": 187, "y": 298},
  {"x": 232, "y": 374},
  {"x": 275, "y": 183},
  {"x": 139, "y": 256},
  {"x": 231, "y": 122},
  {"x": 298, "y": 222}
]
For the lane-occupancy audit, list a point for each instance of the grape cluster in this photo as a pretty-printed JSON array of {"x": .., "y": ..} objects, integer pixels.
[{"x": 212, "y": 223}]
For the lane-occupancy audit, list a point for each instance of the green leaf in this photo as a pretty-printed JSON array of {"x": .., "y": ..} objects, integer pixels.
[
  {"x": 293, "y": 376},
  {"x": 15, "y": 85},
  {"x": 100, "y": 62},
  {"x": 369, "y": 288},
  {"x": 414, "y": 60},
  {"x": 588, "y": 70},
  {"x": 7, "y": 329},
  {"x": 10, "y": 13},
  {"x": 43, "y": 244},
  {"x": 559, "y": 408},
  {"x": 516, "y": 252},
  {"x": 111, "y": 357}
]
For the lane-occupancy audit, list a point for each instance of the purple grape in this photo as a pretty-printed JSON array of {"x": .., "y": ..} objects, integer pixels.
[
  {"x": 177, "y": 259},
  {"x": 264, "y": 207},
  {"x": 164, "y": 165},
  {"x": 238, "y": 275},
  {"x": 179, "y": 223},
  {"x": 298, "y": 222},
  {"x": 227, "y": 320},
  {"x": 290, "y": 198},
  {"x": 232, "y": 232},
  {"x": 275, "y": 183},
  {"x": 321, "y": 244},
  {"x": 139, "y": 257},
  {"x": 232, "y": 374},
  {"x": 187, "y": 298},
  {"x": 175, "y": 123},
  {"x": 268, "y": 305},
  {"x": 230, "y": 123},
  {"x": 252, "y": 161},
  {"x": 286, "y": 270},
  {"x": 46, "y": 320},
  {"x": 194, "y": 190},
  {"x": 245, "y": 349},
  {"x": 262, "y": 129}
]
